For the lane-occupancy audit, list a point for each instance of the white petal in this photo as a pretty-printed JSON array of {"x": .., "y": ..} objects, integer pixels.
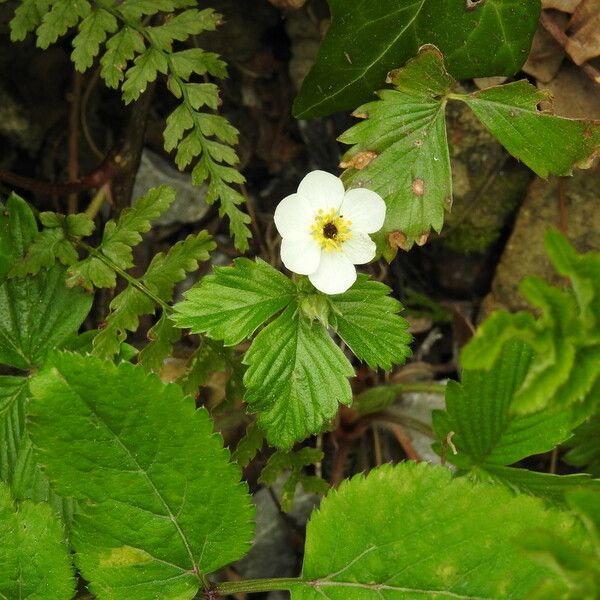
[
  {"x": 335, "y": 273},
  {"x": 294, "y": 215},
  {"x": 360, "y": 248},
  {"x": 300, "y": 254},
  {"x": 364, "y": 208},
  {"x": 323, "y": 190}
]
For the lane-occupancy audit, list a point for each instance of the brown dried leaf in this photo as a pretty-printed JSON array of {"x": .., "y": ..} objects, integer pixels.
[
  {"x": 546, "y": 53},
  {"x": 584, "y": 41},
  {"x": 575, "y": 95},
  {"x": 568, "y": 6}
]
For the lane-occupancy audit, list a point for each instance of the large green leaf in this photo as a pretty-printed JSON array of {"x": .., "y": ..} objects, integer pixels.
[
  {"x": 367, "y": 39},
  {"x": 233, "y": 302},
  {"x": 37, "y": 313},
  {"x": 412, "y": 532},
  {"x": 366, "y": 318},
  {"x": 296, "y": 378},
  {"x": 34, "y": 560},
  {"x": 547, "y": 144},
  {"x": 478, "y": 414},
  {"x": 160, "y": 504},
  {"x": 400, "y": 150}
]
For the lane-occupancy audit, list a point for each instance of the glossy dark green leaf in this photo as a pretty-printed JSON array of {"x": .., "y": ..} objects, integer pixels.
[{"x": 368, "y": 38}]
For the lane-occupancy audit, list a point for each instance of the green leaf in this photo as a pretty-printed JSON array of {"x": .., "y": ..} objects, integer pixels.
[
  {"x": 366, "y": 318},
  {"x": 249, "y": 446},
  {"x": 135, "y": 9},
  {"x": 566, "y": 368},
  {"x": 585, "y": 446},
  {"x": 28, "y": 15},
  {"x": 63, "y": 15},
  {"x": 18, "y": 469},
  {"x": 552, "y": 487},
  {"x": 379, "y": 537},
  {"x": 478, "y": 413},
  {"x": 511, "y": 114},
  {"x": 118, "y": 239},
  {"x": 34, "y": 561},
  {"x": 367, "y": 39},
  {"x": 181, "y": 26},
  {"x": 401, "y": 149},
  {"x": 120, "y": 49},
  {"x": 144, "y": 70},
  {"x": 161, "y": 506},
  {"x": 235, "y": 301},
  {"x": 162, "y": 335},
  {"x": 406, "y": 131},
  {"x": 92, "y": 32},
  {"x": 296, "y": 378},
  {"x": 196, "y": 60},
  {"x": 37, "y": 313}
]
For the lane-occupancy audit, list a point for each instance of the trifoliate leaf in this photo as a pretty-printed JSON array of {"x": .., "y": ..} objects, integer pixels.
[
  {"x": 144, "y": 70},
  {"x": 120, "y": 49},
  {"x": 36, "y": 313},
  {"x": 62, "y": 15},
  {"x": 233, "y": 302},
  {"x": 118, "y": 239},
  {"x": 379, "y": 537},
  {"x": 585, "y": 446},
  {"x": 34, "y": 561},
  {"x": 479, "y": 417},
  {"x": 566, "y": 366},
  {"x": 368, "y": 39},
  {"x": 511, "y": 114},
  {"x": 296, "y": 378},
  {"x": 92, "y": 32},
  {"x": 366, "y": 318},
  {"x": 401, "y": 149},
  {"x": 161, "y": 506}
]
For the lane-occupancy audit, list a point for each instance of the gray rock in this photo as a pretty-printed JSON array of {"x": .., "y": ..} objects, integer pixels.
[{"x": 190, "y": 205}]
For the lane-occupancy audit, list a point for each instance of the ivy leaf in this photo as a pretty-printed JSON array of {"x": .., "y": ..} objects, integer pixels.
[
  {"x": 401, "y": 149},
  {"x": 36, "y": 313},
  {"x": 296, "y": 378},
  {"x": 34, "y": 560},
  {"x": 92, "y": 32},
  {"x": 120, "y": 49},
  {"x": 118, "y": 239},
  {"x": 585, "y": 446},
  {"x": 161, "y": 506},
  {"x": 233, "y": 302},
  {"x": 379, "y": 536},
  {"x": 366, "y": 318},
  {"x": 511, "y": 114},
  {"x": 368, "y": 39},
  {"x": 566, "y": 368},
  {"x": 478, "y": 414}
]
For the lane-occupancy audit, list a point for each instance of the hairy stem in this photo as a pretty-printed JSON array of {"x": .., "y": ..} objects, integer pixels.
[{"x": 256, "y": 585}]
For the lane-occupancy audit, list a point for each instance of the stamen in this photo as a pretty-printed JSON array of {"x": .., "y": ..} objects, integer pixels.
[{"x": 331, "y": 230}]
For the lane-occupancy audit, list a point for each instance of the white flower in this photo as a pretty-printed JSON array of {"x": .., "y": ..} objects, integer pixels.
[{"x": 325, "y": 229}]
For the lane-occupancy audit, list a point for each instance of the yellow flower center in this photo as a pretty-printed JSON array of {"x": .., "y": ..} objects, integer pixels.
[{"x": 330, "y": 230}]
